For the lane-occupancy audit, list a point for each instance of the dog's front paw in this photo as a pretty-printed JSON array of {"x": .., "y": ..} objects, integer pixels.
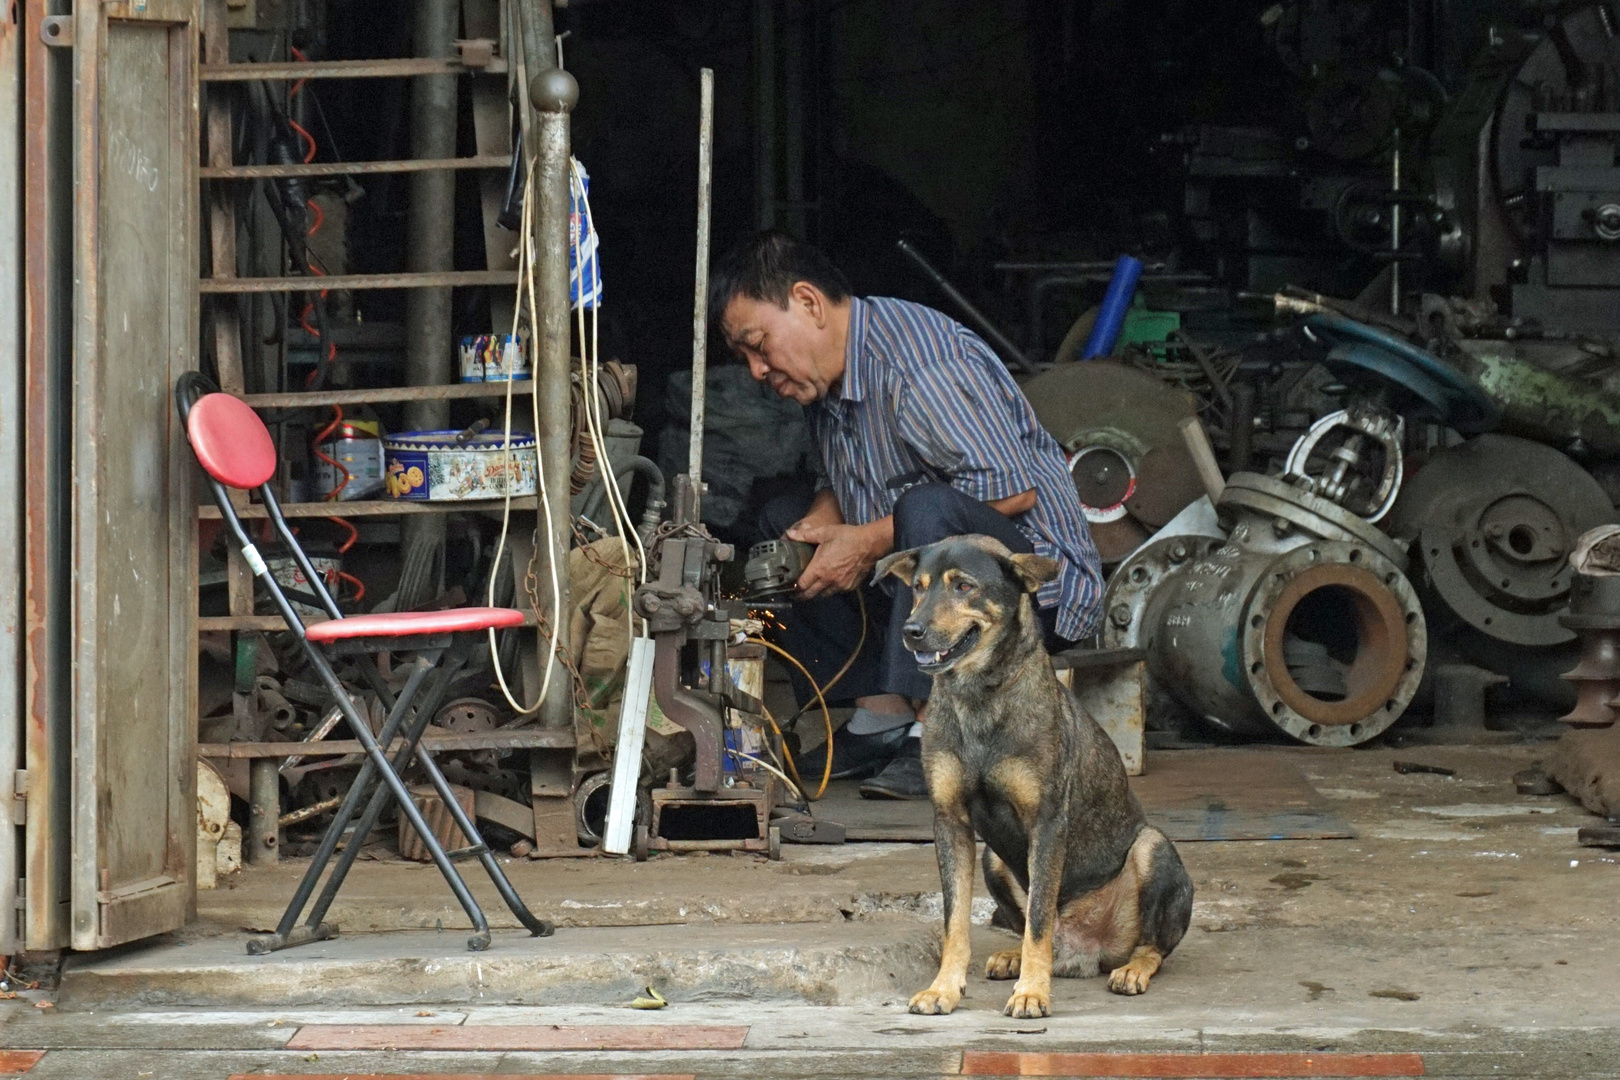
[
  {"x": 1028, "y": 1004},
  {"x": 935, "y": 1001},
  {"x": 1004, "y": 964},
  {"x": 1129, "y": 980}
]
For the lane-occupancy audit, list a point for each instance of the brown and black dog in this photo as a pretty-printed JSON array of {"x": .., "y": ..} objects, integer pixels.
[{"x": 1069, "y": 856}]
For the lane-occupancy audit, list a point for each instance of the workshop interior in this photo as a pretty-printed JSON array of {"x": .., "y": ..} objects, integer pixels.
[{"x": 396, "y": 315}]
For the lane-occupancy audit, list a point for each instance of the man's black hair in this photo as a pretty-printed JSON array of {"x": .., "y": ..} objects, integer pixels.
[{"x": 767, "y": 266}]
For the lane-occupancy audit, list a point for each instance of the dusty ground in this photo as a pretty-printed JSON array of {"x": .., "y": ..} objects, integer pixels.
[{"x": 1463, "y": 922}]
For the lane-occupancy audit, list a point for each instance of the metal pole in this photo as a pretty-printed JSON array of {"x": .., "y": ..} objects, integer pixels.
[
  {"x": 765, "y": 113},
  {"x": 1395, "y": 230},
  {"x": 429, "y": 246},
  {"x": 431, "y": 215},
  {"x": 264, "y": 811},
  {"x": 553, "y": 93},
  {"x": 1009, "y": 352},
  {"x": 700, "y": 297}
]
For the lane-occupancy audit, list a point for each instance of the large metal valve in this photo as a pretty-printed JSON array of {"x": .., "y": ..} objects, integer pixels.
[{"x": 1300, "y": 621}]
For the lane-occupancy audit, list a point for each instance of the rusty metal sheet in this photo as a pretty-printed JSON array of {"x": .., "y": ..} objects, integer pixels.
[
  {"x": 135, "y": 332},
  {"x": 11, "y": 507}
]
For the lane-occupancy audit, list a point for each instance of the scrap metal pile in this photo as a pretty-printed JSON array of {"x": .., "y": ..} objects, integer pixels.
[
  {"x": 1403, "y": 472},
  {"x": 1377, "y": 520}
]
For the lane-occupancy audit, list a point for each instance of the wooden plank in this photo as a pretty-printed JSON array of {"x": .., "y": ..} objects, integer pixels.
[
  {"x": 522, "y": 739},
  {"x": 374, "y": 508},
  {"x": 997, "y": 1063},
  {"x": 393, "y": 68},
  {"x": 435, "y": 280},
  {"x": 349, "y": 168},
  {"x": 520, "y": 1037},
  {"x": 266, "y": 623},
  {"x": 323, "y": 398}
]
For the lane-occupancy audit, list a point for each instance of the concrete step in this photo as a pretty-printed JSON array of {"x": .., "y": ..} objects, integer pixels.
[{"x": 815, "y": 963}]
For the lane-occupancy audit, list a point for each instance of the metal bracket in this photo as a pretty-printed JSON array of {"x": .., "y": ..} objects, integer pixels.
[
  {"x": 57, "y": 31},
  {"x": 19, "y": 797}
]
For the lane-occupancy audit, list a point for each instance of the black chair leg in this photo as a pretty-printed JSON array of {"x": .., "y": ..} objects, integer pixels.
[
  {"x": 537, "y": 927},
  {"x": 285, "y": 935},
  {"x": 380, "y": 794}
]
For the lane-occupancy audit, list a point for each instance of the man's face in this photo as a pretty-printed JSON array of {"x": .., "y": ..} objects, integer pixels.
[{"x": 792, "y": 348}]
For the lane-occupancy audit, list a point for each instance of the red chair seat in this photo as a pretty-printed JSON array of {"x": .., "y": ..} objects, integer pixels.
[
  {"x": 411, "y": 623},
  {"x": 231, "y": 442}
]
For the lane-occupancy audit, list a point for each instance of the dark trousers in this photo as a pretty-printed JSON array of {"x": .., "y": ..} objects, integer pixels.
[{"x": 823, "y": 632}]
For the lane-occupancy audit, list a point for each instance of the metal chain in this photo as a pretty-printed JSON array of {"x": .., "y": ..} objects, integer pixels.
[{"x": 591, "y": 556}]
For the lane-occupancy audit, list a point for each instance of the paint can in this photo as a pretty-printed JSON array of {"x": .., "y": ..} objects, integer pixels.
[
  {"x": 357, "y": 446},
  {"x": 494, "y": 358}
]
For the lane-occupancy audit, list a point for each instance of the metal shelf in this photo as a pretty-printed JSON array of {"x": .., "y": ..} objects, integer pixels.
[
  {"x": 271, "y": 624},
  {"x": 437, "y": 280},
  {"x": 373, "y": 508},
  {"x": 380, "y": 395},
  {"x": 521, "y": 739},
  {"x": 351, "y": 168},
  {"x": 401, "y": 67}
]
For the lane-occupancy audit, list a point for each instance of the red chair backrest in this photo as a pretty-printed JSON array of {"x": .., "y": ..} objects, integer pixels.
[{"x": 230, "y": 441}]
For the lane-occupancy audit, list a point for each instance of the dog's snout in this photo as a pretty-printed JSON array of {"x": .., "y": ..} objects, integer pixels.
[{"x": 913, "y": 633}]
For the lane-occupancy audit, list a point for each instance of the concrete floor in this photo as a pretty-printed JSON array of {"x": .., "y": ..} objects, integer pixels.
[{"x": 1464, "y": 922}]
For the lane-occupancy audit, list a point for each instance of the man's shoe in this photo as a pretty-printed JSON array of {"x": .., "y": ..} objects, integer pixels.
[
  {"x": 902, "y": 778},
  {"x": 854, "y": 756}
]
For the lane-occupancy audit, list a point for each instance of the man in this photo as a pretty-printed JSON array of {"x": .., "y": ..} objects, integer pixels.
[{"x": 921, "y": 434}]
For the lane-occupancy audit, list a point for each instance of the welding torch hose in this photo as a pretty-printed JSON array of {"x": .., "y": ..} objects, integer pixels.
[{"x": 826, "y": 714}]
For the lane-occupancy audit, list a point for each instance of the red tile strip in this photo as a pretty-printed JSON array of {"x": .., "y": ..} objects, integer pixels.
[
  {"x": 518, "y": 1037},
  {"x": 464, "y": 1076},
  {"x": 13, "y": 1062},
  {"x": 1160, "y": 1066}
]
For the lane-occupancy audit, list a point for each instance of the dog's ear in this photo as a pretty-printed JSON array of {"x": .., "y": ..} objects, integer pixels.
[
  {"x": 902, "y": 564},
  {"x": 1033, "y": 571}
]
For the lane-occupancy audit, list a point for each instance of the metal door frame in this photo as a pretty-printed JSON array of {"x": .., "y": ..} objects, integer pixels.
[
  {"x": 11, "y": 413},
  {"x": 48, "y": 358}
]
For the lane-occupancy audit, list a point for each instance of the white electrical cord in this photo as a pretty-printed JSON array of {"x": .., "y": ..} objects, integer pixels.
[
  {"x": 526, "y": 276},
  {"x": 768, "y": 767}
]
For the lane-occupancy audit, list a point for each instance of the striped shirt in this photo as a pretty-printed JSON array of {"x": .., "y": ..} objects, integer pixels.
[{"x": 924, "y": 400}]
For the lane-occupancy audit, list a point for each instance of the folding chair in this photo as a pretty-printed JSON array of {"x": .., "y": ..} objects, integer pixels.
[{"x": 234, "y": 448}]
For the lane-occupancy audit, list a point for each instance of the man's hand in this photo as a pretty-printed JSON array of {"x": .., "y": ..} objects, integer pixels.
[{"x": 845, "y": 555}]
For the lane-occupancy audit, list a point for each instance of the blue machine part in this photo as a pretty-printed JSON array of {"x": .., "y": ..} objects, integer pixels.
[
  {"x": 1447, "y": 394},
  {"x": 1116, "y": 302}
]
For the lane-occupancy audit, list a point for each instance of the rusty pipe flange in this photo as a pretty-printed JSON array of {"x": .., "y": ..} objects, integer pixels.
[
  {"x": 1128, "y": 589},
  {"x": 1350, "y": 587},
  {"x": 1291, "y": 509}
]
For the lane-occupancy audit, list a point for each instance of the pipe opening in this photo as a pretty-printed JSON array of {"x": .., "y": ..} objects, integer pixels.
[{"x": 1336, "y": 644}]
